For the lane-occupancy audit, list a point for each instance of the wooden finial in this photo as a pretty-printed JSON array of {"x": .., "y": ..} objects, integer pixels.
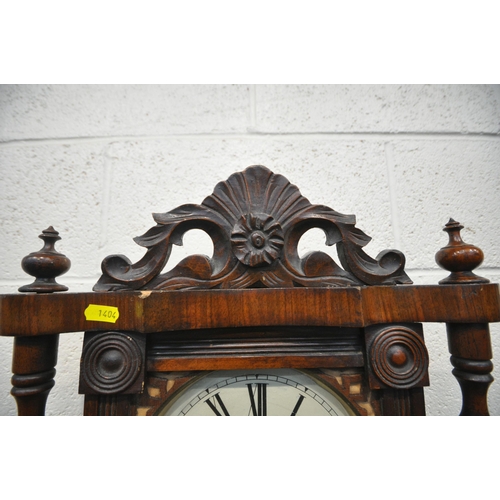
[
  {"x": 459, "y": 257},
  {"x": 45, "y": 265}
]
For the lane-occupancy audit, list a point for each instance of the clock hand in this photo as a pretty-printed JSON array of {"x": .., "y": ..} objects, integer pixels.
[{"x": 297, "y": 406}]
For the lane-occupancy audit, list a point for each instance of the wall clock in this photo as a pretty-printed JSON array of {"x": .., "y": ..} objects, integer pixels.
[
  {"x": 256, "y": 329},
  {"x": 257, "y": 393},
  {"x": 257, "y": 304}
]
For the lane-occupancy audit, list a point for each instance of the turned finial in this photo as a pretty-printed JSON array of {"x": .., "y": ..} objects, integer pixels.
[
  {"x": 46, "y": 265},
  {"x": 459, "y": 257}
]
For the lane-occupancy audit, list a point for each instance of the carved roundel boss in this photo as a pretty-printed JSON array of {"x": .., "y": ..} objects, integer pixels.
[
  {"x": 398, "y": 356},
  {"x": 112, "y": 362},
  {"x": 257, "y": 239}
]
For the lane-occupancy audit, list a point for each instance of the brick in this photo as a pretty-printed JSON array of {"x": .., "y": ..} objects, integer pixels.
[
  {"x": 60, "y": 111},
  {"x": 348, "y": 176},
  {"x": 378, "y": 108},
  {"x": 59, "y": 185},
  {"x": 442, "y": 178}
]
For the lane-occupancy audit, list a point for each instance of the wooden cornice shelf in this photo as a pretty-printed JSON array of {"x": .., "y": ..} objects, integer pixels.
[{"x": 166, "y": 310}]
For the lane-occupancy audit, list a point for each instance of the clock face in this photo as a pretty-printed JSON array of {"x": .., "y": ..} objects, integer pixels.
[{"x": 257, "y": 393}]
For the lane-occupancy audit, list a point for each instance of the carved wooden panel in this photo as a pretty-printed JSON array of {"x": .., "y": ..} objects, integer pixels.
[
  {"x": 234, "y": 349},
  {"x": 255, "y": 219},
  {"x": 396, "y": 356},
  {"x": 112, "y": 363}
]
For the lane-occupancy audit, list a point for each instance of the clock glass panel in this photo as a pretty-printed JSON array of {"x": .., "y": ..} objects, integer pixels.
[{"x": 257, "y": 393}]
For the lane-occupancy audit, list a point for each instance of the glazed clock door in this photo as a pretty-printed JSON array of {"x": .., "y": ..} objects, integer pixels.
[{"x": 257, "y": 393}]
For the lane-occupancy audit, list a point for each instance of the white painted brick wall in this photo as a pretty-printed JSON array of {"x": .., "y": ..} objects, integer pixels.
[{"x": 96, "y": 161}]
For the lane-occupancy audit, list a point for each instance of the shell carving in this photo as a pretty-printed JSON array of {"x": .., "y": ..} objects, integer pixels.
[{"x": 255, "y": 219}]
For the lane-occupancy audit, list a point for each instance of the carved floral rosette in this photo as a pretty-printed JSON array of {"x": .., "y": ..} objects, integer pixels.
[{"x": 255, "y": 220}]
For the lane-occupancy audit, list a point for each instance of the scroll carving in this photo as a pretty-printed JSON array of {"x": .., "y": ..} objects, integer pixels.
[{"x": 255, "y": 219}]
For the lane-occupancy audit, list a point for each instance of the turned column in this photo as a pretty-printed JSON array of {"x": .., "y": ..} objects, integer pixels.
[
  {"x": 469, "y": 343},
  {"x": 470, "y": 349},
  {"x": 34, "y": 357},
  {"x": 33, "y": 364}
]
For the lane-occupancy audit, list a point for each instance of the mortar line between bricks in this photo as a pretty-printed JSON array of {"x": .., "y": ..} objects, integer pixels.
[
  {"x": 105, "y": 199},
  {"x": 396, "y": 226},
  {"x": 253, "y": 107},
  {"x": 341, "y": 136}
]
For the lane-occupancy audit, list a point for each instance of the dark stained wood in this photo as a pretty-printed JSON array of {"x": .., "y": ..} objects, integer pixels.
[
  {"x": 470, "y": 349},
  {"x": 396, "y": 356},
  {"x": 402, "y": 403},
  {"x": 459, "y": 257},
  {"x": 255, "y": 219},
  {"x": 278, "y": 361},
  {"x": 46, "y": 265},
  {"x": 268, "y": 348},
  {"x": 431, "y": 303},
  {"x": 112, "y": 363},
  {"x": 154, "y": 311},
  {"x": 41, "y": 314},
  {"x": 469, "y": 344},
  {"x": 109, "y": 406},
  {"x": 160, "y": 387},
  {"x": 33, "y": 366},
  {"x": 34, "y": 357}
]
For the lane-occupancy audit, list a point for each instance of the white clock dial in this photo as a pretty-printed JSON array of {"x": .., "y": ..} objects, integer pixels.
[{"x": 257, "y": 393}]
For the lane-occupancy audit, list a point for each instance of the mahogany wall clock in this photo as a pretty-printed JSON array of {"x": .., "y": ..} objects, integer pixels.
[{"x": 254, "y": 329}]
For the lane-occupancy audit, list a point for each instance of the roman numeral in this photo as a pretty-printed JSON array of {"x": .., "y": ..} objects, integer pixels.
[
  {"x": 221, "y": 404},
  {"x": 259, "y": 408},
  {"x": 297, "y": 406}
]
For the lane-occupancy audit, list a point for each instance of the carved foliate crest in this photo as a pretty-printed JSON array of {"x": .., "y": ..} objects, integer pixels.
[{"x": 255, "y": 219}]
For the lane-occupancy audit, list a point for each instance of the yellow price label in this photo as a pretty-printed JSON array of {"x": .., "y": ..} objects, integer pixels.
[{"x": 95, "y": 312}]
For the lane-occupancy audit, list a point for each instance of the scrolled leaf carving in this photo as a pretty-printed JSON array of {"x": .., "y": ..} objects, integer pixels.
[{"x": 255, "y": 219}]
